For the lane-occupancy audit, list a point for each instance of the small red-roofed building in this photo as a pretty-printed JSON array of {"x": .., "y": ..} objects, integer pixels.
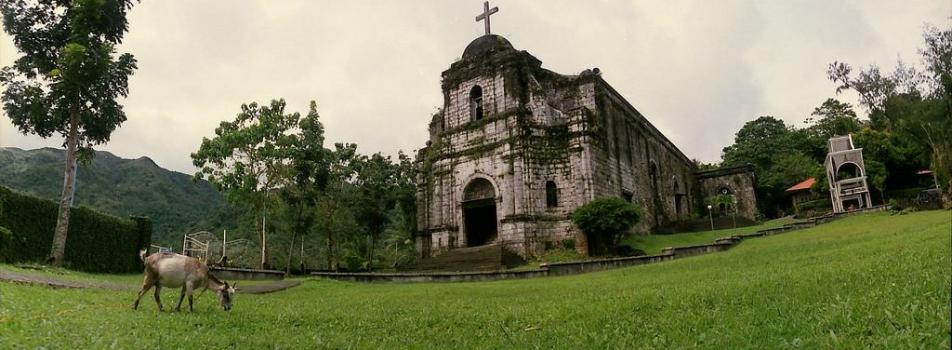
[{"x": 801, "y": 193}]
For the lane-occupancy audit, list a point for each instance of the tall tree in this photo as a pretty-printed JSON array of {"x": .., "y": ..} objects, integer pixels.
[
  {"x": 246, "y": 157},
  {"x": 833, "y": 118},
  {"x": 67, "y": 80},
  {"x": 338, "y": 196},
  {"x": 375, "y": 183},
  {"x": 304, "y": 177},
  {"x": 758, "y": 142}
]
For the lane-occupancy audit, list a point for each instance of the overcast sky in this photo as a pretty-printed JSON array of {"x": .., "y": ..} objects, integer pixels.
[{"x": 697, "y": 69}]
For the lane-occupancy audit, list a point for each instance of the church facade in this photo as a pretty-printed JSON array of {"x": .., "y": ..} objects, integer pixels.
[{"x": 516, "y": 148}]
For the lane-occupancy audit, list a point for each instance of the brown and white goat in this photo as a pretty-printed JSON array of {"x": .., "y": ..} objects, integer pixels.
[{"x": 176, "y": 270}]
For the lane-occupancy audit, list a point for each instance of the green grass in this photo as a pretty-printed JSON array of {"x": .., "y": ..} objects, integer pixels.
[
  {"x": 60, "y": 273},
  {"x": 653, "y": 244},
  {"x": 867, "y": 281}
]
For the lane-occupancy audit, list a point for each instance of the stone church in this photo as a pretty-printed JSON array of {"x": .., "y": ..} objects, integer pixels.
[{"x": 516, "y": 148}]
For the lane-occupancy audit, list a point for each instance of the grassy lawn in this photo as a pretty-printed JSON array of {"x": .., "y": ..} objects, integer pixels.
[
  {"x": 867, "y": 281},
  {"x": 653, "y": 244}
]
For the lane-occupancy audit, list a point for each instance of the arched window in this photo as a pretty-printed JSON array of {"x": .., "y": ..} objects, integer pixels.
[
  {"x": 476, "y": 103},
  {"x": 678, "y": 194},
  {"x": 848, "y": 170},
  {"x": 551, "y": 194},
  {"x": 477, "y": 189}
]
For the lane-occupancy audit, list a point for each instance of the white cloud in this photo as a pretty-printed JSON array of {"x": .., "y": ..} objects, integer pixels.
[{"x": 697, "y": 69}]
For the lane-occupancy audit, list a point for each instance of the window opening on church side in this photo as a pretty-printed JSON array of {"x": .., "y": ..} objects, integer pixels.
[
  {"x": 476, "y": 102},
  {"x": 551, "y": 194}
]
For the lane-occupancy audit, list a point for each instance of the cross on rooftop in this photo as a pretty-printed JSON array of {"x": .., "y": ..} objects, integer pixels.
[{"x": 486, "y": 13}]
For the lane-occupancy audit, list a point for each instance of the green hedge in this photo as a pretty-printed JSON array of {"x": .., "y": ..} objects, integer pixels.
[{"x": 96, "y": 242}]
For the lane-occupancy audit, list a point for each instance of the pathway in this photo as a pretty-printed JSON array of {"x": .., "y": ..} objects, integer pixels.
[{"x": 55, "y": 282}]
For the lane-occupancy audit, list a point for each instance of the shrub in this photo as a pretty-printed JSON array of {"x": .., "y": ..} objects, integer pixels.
[
  {"x": 96, "y": 242},
  {"x": 605, "y": 221},
  {"x": 568, "y": 244},
  {"x": 355, "y": 263},
  {"x": 6, "y": 237}
]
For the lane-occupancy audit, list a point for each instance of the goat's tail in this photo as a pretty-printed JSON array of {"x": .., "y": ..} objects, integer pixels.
[{"x": 142, "y": 254}]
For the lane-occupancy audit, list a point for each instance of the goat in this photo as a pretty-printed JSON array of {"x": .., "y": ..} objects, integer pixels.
[{"x": 176, "y": 270}]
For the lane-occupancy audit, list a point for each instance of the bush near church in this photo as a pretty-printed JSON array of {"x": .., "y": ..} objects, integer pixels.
[
  {"x": 96, "y": 242},
  {"x": 605, "y": 221}
]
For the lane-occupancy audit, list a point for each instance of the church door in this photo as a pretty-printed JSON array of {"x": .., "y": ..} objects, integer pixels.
[{"x": 479, "y": 213}]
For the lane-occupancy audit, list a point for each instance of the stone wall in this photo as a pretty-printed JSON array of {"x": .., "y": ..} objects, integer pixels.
[
  {"x": 739, "y": 182},
  {"x": 633, "y": 159}
]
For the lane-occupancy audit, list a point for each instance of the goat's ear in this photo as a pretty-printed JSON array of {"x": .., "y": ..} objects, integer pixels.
[{"x": 235, "y": 286}]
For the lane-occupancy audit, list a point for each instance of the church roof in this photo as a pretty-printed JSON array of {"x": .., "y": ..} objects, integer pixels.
[{"x": 486, "y": 44}]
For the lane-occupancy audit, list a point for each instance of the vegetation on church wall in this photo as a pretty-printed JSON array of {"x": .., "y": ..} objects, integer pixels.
[{"x": 474, "y": 125}]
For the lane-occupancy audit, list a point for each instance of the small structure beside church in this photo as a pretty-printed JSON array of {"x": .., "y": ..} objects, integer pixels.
[
  {"x": 846, "y": 174},
  {"x": 516, "y": 148},
  {"x": 800, "y": 192}
]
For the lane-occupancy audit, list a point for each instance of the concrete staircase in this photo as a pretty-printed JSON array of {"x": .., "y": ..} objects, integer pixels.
[{"x": 491, "y": 257}]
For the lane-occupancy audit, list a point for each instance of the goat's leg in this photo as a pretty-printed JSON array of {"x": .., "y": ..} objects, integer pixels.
[
  {"x": 158, "y": 296},
  {"x": 189, "y": 291},
  {"x": 146, "y": 285},
  {"x": 178, "y": 307}
]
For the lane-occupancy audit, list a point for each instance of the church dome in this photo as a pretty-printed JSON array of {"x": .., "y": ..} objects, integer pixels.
[{"x": 486, "y": 44}]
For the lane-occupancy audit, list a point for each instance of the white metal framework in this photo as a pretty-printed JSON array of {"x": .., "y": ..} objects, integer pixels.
[
  {"x": 846, "y": 175},
  {"x": 194, "y": 246}
]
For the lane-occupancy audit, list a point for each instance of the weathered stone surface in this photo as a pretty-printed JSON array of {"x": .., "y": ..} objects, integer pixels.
[
  {"x": 736, "y": 181},
  {"x": 524, "y": 129}
]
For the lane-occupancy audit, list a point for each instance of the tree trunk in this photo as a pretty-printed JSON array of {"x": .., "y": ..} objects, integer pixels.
[
  {"x": 58, "y": 251},
  {"x": 287, "y": 267},
  {"x": 332, "y": 261},
  {"x": 259, "y": 228},
  {"x": 264, "y": 243},
  {"x": 297, "y": 227},
  {"x": 370, "y": 252},
  {"x": 303, "y": 265}
]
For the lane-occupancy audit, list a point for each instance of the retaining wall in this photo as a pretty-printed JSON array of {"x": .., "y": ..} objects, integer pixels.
[
  {"x": 431, "y": 276},
  {"x": 232, "y": 273},
  {"x": 584, "y": 266}
]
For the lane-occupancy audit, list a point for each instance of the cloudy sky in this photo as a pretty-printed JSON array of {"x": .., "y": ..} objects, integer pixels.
[{"x": 697, "y": 69}]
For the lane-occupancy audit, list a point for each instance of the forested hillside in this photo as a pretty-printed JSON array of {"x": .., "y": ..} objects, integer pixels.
[{"x": 123, "y": 187}]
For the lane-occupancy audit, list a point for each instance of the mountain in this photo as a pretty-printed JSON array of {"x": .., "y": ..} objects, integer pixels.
[{"x": 123, "y": 187}]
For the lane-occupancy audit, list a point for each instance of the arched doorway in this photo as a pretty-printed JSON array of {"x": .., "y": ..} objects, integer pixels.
[
  {"x": 848, "y": 170},
  {"x": 479, "y": 212}
]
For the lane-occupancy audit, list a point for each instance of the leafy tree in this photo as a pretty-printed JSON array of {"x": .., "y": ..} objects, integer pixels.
[
  {"x": 304, "y": 177},
  {"x": 876, "y": 174},
  {"x": 338, "y": 200},
  {"x": 758, "y": 142},
  {"x": 375, "y": 183},
  {"x": 246, "y": 157},
  {"x": 605, "y": 221},
  {"x": 833, "y": 118},
  {"x": 67, "y": 80},
  {"x": 793, "y": 168},
  {"x": 762, "y": 143}
]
